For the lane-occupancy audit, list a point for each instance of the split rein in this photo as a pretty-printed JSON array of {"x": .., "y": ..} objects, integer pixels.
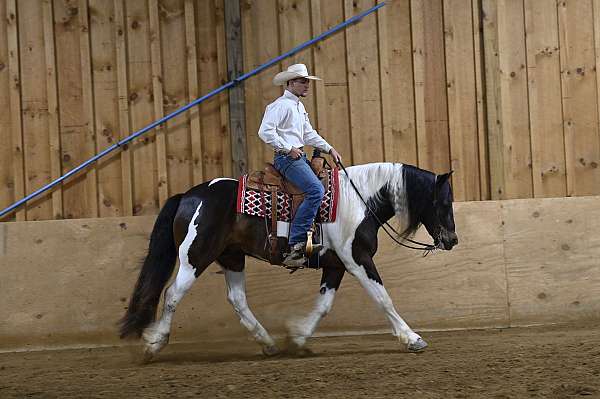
[{"x": 426, "y": 248}]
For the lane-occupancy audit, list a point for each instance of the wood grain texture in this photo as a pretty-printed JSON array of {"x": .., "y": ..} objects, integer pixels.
[
  {"x": 500, "y": 264},
  {"x": 34, "y": 100},
  {"x": 514, "y": 116},
  {"x": 175, "y": 77},
  {"x": 158, "y": 98},
  {"x": 398, "y": 102},
  {"x": 76, "y": 125},
  {"x": 105, "y": 93},
  {"x": 260, "y": 43},
  {"x": 551, "y": 259},
  {"x": 332, "y": 94},
  {"x": 16, "y": 119},
  {"x": 7, "y": 184},
  {"x": 363, "y": 85},
  {"x": 53, "y": 112},
  {"x": 545, "y": 108},
  {"x": 141, "y": 108},
  {"x": 462, "y": 100},
  {"x": 214, "y": 137},
  {"x": 123, "y": 91},
  {"x": 482, "y": 123},
  {"x": 579, "y": 96},
  {"x": 431, "y": 103}
]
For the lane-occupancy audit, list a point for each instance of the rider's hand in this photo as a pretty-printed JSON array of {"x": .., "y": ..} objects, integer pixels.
[
  {"x": 337, "y": 158},
  {"x": 295, "y": 153}
]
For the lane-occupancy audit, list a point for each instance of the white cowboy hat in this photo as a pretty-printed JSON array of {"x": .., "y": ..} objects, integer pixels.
[{"x": 293, "y": 72}]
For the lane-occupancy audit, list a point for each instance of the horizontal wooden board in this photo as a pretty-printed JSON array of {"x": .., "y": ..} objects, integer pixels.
[{"x": 536, "y": 255}]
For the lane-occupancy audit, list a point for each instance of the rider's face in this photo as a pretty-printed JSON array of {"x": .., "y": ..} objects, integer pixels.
[{"x": 299, "y": 86}]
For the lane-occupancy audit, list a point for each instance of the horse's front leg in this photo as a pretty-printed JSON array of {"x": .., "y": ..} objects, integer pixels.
[
  {"x": 236, "y": 295},
  {"x": 300, "y": 330},
  {"x": 369, "y": 278}
]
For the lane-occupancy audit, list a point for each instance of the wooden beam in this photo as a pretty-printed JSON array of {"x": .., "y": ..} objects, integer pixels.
[
  {"x": 16, "y": 122},
  {"x": 235, "y": 67},
  {"x": 157, "y": 91},
  {"x": 124, "y": 124},
  {"x": 222, "y": 72},
  {"x": 88, "y": 106}
]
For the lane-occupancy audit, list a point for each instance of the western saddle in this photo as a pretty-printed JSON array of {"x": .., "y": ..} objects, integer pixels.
[{"x": 271, "y": 181}]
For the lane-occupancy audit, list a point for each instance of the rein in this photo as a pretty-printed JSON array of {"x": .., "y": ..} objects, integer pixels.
[{"x": 425, "y": 247}]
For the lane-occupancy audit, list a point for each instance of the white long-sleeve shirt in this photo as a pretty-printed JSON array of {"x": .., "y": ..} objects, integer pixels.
[{"x": 286, "y": 125}]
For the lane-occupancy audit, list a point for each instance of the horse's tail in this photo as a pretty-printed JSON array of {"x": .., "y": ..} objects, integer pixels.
[{"x": 156, "y": 270}]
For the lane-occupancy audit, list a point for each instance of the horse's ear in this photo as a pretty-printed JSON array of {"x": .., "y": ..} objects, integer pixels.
[{"x": 441, "y": 179}]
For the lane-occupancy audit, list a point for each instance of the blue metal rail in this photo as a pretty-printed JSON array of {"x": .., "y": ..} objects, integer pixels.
[{"x": 226, "y": 86}]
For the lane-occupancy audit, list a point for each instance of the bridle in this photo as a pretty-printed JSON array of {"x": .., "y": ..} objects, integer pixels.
[{"x": 426, "y": 248}]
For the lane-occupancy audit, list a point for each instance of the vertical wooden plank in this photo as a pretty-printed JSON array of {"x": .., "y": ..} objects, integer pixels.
[
  {"x": 88, "y": 106},
  {"x": 478, "y": 43},
  {"x": 543, "y": 70},
  {"x": 260, "y": 43},
  {"x": 157, "y": 96},
  {"x": 193, "y": 92},
  {"x": 396, "y": 71},
  {"x": 514, "y": 115},
  {"x": 363, "y": 85},
  {"x": 330, "y": 64},
  {"x": 223, "y": 98},
  {"x": 16, "y": 120},
  {"x": 431, "y": 107},
  {"x": 7, "y": 185},
  {"x": 52, "y": 104},
  {"x": 141, "y": 108},
  {"x": 295, "y": 28},
  {"x": 38, "y": 168},
  {"x": 106, "y": 105},
  {"x": 509, "y": 140},
  {"x": 235, "y": 68},
  {"x": 76, "y": 107},
  {"x": 316, "y": 23},
  {"x": 579, "y": 97},
  {"x": 175, "y": 83},
  {"x": 462, "y": 99},
  {"x": 493, "y": 99},
  {"x": 123, "y": 91},
  {"x": 215, "y": 138}
]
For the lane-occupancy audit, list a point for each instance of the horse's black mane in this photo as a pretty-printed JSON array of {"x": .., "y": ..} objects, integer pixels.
[{"x": 419, "y": 185}]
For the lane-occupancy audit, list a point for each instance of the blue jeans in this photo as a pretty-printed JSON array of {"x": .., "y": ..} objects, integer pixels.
[{"x": 299, "y": 172}]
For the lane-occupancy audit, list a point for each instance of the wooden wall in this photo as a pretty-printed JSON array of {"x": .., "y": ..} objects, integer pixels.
[
  {"x": 503, "y": 92},
  {"x": 500, "y": 275}
]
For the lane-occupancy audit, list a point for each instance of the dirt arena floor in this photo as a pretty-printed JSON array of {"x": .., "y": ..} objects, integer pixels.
[{"x": 542, "y": 362}]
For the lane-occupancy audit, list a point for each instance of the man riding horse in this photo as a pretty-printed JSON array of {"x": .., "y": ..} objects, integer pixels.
[{"x": 287, "y": 128}]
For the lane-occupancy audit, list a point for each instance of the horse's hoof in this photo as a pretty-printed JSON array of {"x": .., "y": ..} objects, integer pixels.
[
  {"x": 417, "y": 346},
  {"x": 148, "y": 355},
  {"x": 270, "y": 350}
]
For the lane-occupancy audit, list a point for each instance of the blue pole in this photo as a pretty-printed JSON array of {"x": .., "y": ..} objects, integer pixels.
[{"x": 173, "y": 114}]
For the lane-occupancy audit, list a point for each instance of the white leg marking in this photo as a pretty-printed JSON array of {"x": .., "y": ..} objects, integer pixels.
[
  {"x": 157, "y": 334},
  {"x": 218, "y": 179},
  {"x": 379, "y": 294},
  {"x": 236, "y": 295},
  {"x": 304, "y": 328}
]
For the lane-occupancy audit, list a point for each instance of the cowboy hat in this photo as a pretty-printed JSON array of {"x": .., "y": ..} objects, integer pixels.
[{"x": 293, "y": 72}]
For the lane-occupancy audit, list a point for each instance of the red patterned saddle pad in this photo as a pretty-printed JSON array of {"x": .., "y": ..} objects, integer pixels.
[{"x": 249, "y": 201}]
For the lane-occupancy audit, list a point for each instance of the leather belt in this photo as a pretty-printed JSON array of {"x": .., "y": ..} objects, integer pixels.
[{"x": 283, "y": 152}]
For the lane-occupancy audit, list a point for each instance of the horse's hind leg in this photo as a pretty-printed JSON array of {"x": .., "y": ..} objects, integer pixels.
[
  {"x": 300, "y": 330},
  {"x": 233, "y": 267},
  {"x": 192, "y": 262}
]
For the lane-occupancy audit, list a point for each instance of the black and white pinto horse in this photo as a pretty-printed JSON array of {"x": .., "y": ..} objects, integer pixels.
[{"x": 202, "y": 227}]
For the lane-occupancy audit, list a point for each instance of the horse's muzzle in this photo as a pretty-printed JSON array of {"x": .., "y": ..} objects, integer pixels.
[{"x": 449, "y": 240}]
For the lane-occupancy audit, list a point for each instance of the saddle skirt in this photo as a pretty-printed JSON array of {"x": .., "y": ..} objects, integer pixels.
[{"x": 257, "y": 198}]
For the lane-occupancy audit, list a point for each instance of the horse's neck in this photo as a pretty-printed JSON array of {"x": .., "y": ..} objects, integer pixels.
[{"x": 377, "y": 185}]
